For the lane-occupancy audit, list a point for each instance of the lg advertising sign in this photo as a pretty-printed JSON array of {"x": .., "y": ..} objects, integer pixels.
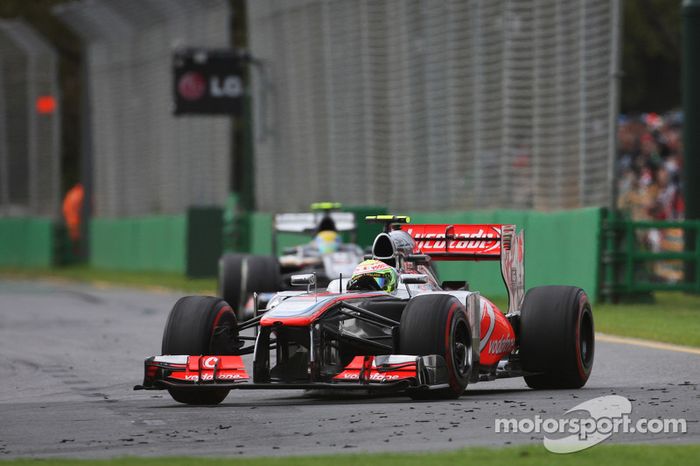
[{"x": 208, "y": 82}]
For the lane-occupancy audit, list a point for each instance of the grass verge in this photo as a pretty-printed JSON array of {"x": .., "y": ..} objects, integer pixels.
[
  {"x": 674, "y": 318},
  {"x": 619, "y": 455}
]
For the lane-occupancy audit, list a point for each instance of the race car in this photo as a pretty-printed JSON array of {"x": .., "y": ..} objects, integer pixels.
[
  {"x": 326, "y": 255},
  {"x": 389, "y": 327}
]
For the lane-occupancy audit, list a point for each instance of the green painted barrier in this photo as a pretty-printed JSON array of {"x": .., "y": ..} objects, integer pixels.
[
  {"x": 27, "y": 242},
  {"x": 156, "y": 243},
  {"x": 260, "y": 233},
  {"x": 366, "y": 232},
  {"x": 185, "y": 243},
  {"x": 561, "y": 248}
]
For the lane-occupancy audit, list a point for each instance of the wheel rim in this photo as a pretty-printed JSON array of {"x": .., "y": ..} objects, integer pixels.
[
  {"x": 461, "y": 349},
  {"x": 586, "y": 343}
]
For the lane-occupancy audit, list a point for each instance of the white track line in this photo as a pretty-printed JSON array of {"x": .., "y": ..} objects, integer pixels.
[{"x": 646, "y": 343}]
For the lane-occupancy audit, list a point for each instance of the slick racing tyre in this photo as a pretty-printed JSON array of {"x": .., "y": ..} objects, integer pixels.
[
  {"x": 260, "y": 274},
  {"x": 437, "y": 324},
  {"x": 230, "y": 285},
  {"x": 556, "y": 337},
  {"x": 240, "y": 275},
  {"x": 200, "y": 325},
  {"x": 263, "y": 274}
]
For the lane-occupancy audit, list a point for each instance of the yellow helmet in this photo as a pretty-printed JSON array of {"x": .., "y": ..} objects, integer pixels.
[{"x": 327, "y": 242}]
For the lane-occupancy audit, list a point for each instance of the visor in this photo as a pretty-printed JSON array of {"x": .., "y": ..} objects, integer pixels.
[{"x": 378, "y": 277}]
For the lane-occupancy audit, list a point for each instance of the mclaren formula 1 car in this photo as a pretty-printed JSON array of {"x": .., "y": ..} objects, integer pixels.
[
  {"x": 424, "y": 339},
  {"x": 326, "y": 255}
]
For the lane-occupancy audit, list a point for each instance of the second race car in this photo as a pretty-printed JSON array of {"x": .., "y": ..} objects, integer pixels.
[{"x": 326, "y": 255}]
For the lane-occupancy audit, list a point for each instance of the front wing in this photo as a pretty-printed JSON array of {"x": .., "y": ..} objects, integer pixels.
[{"x": 372, "y": 373}]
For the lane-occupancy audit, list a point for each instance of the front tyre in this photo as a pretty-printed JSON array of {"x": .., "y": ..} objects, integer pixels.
[
  {"x": 437, "y": 324},
  {"x": 200, "y": 325},
  {"x": 556, "y": 337},
  {"x": 263, "y": 274}
]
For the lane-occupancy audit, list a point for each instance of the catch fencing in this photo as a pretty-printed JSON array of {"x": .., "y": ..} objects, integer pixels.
[
  {"x": 435, "y": 104},
  {"x": 30, "y": 159},
  {"x": 145, "y": 160}
]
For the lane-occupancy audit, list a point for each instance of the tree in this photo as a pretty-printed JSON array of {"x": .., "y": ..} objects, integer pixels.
[{"x": 651, "y": 56}]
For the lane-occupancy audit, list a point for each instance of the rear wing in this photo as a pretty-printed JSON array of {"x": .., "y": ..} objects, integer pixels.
[
  {"x": 458, "y": 242},
  {"x": 491, "y": 242},
  {"x": 307, "y": 223}
]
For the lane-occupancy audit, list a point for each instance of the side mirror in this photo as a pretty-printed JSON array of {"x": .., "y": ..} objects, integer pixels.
[
  {"x": 303, "y": 279},
  {"x": 414, "y": 278}
]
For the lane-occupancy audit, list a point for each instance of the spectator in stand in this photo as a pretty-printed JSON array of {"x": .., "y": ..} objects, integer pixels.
[
  {"x": 649, "y": 181},
  {"x": 667, "y": 203},
  {"x": 649, "y": 167}
]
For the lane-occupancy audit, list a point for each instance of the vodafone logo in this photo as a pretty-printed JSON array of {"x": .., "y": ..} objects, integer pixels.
[
  {"x": 503, "y": 345},
  {"x": 209, "y": 377},
  {"x": 375, "y": 376},
  {"x": 192, "y": 86},
  {"x": 210, "y": 362}
]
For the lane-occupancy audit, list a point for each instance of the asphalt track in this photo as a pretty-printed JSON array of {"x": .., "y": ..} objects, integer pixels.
[{"x": 70, "y": 355}]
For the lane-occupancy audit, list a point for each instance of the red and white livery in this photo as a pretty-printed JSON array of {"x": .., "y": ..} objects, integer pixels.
[{"x": 428, "y": 339}]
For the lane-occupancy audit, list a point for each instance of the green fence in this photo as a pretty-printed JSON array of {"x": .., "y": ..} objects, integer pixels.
[
  {"x": 561, "y": 248},
  {"x": 627, "y": 261},
  {"x": 188, "y": 243},
  {"x": 27, "y": 242},
  {"x": 141, "y": 243}
]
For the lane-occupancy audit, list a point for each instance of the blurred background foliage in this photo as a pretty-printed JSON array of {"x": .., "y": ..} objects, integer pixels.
[{"x": 651, "y": 56}]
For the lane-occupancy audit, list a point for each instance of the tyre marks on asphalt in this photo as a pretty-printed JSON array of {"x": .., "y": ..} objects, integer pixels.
[
  {"x": 98, "y": 349},
  {"x": 67, "y": 376}
]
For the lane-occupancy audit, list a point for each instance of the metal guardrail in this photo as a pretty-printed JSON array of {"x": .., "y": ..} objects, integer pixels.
[{"x": 622, "y": 256}]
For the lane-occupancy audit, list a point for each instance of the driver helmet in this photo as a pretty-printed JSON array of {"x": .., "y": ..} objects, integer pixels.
[
  {"x": 374, "y": 275},
  {"x": 327, "y": 242}
]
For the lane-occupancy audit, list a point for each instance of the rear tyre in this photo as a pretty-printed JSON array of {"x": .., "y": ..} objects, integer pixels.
[
  {"x": 437, "y": 324},
  {"x": 190, "y": 330},
  {"x": 556, "y": 337},
  {"x": 230, "y": 285}
]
